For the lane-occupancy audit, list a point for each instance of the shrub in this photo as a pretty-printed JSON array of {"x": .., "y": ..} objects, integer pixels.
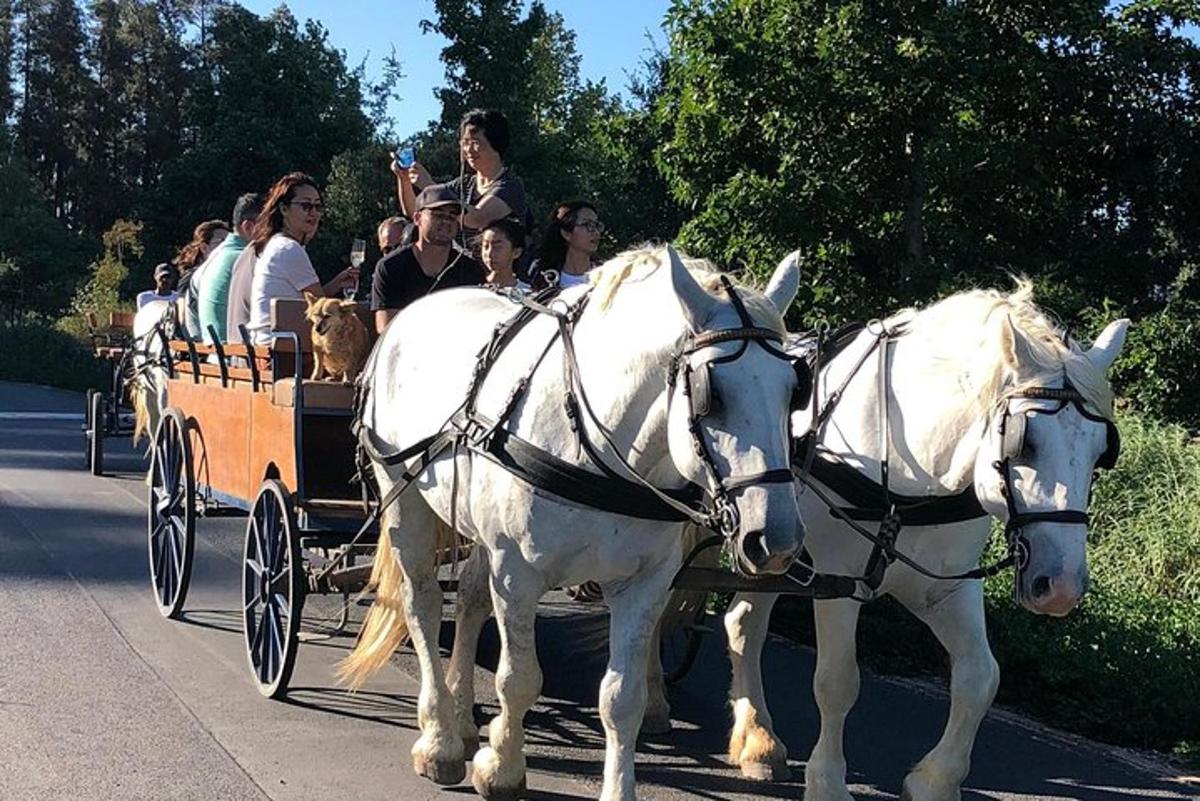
[{"x": 38, "y": 353}]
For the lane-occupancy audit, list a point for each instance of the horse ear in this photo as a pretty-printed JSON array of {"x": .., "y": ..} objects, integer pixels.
[
  {"x": 696, "y": 302},
  {"x": 1015, "y": 352},
  {"x": 1108, "y": 345},
  {"x": 785, "y": 282}
]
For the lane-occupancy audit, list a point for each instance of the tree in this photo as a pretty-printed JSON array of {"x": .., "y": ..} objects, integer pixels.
[
  {"x": 55, "y": 87},
  {"x": 912, "y": 148},
  {"x": 6, "y": 60}
]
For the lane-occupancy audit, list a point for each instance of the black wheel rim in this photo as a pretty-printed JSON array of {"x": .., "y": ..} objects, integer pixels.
[
  {"x": 171, "y": 517},
  {"x": 270, "y": 593}
]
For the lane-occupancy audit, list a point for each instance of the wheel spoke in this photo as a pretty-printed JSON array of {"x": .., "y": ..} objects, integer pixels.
[
  {"x": 256, "y": 566},
  {"x": 283, "y": 606},
  {"x": 180, "y": 544}
]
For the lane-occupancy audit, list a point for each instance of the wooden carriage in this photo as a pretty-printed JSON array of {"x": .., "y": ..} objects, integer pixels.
[
  {"x": 244, "y": 429},
  {"x": 107, "y": 412}
]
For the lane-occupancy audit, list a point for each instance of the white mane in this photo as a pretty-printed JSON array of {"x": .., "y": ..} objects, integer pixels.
[
  {"x": 977, "y": 327},
  {"x": 636, "y": 263}
]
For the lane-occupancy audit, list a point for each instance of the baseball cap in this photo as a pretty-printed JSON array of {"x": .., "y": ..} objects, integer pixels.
[
  {"x": 437, "y": 195},
  {"x": 164, "y": 270}
]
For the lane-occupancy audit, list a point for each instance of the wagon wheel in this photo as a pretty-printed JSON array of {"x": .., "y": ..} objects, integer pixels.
[
  {"x": 172, "y": 513},
  {"x": 96, "y": 434},
  {"x": 272, "y": 589},
  {"x": 87, "y": 428}
]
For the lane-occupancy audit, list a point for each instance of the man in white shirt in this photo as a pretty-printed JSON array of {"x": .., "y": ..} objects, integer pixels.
[{"x": 164, "y": 286}]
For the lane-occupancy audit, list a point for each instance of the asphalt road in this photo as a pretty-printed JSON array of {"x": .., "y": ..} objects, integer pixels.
[{"x": 101, "y": 698}]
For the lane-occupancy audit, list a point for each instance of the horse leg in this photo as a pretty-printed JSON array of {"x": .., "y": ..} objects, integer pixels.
[
  {"x": 835, "y": 687},
  {"x": 657, "y": 718},
  {"x": 438, "y": 752},
  {"x": 753, "y": 745},
  {"x": 472, "y": 607},
  {"x": 634, "y": 609},
  {"x": 499, "y": 768},
  {"x": 956, "y": 618}
]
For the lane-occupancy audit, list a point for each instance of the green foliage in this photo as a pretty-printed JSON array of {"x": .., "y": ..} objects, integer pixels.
[
  {"x": 40, "y": 258},
  {"x": 36, "y": 352},
  {"x": 910, "y": 149},
  {"x": 361, "y": 191},
  {"x": 101, "y": 293},
  {"x": 1160, "y": 363}
]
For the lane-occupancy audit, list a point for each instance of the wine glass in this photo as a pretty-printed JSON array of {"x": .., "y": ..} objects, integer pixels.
[{"x": 358, "y": 254}]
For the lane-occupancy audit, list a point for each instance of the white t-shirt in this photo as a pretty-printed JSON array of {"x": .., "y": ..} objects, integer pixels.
[
  {"x": 282, "y": 271},
  {"x": 237, "y": 312},
  {"x": 150, "y": 295}
]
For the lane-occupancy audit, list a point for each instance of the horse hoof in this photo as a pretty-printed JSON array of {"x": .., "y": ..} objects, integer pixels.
[
  {"x": 440, "y": 772},
  {"x": 491, "y": 792},
  {"x": 766, "y": 771}
]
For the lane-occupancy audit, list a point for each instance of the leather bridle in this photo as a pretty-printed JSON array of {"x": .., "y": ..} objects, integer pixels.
[{"x": 1011, "y": 431}]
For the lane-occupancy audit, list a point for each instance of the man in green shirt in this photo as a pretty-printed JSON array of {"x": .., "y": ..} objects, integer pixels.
[{"x": 214, "y": 286}]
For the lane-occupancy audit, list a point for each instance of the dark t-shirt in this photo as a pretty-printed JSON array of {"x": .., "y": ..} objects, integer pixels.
[
  {"x": 399, "y": 279},
  {"x": 508, "y": 187}
]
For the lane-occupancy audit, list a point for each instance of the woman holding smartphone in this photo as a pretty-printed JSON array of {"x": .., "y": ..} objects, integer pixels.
[{"x": 489, "y": 189}]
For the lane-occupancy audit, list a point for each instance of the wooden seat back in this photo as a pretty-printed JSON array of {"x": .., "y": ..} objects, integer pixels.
[{"x": 287, "y": 314}]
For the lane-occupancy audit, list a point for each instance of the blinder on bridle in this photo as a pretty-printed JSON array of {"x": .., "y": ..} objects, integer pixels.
[
  {"x": 1012, "y": 426},
  {"x": 696, "y": 383},
  {"x": 1012, "y": 430}
]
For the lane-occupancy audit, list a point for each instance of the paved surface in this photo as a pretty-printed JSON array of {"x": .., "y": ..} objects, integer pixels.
[{"x": 101, "y": 698}]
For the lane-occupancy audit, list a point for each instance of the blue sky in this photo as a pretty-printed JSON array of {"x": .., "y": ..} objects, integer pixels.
[{"x": 610, "y": 38}]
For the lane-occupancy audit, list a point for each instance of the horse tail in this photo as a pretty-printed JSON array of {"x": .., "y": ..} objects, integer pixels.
[
  {"x": 141, "y": 412},
  {"x": 385, "y": 628}
]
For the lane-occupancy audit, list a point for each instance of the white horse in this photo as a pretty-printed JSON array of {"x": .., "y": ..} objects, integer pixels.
[
  {"x": 965, "y": 408},
  {"x": 647, "y": 344},
  {"x": 148, "y": 389}
]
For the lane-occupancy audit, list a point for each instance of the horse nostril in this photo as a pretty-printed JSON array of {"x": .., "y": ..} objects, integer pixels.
[
  {"x": 1041, "y": 587},
  {"x": 754, "y": 548}
]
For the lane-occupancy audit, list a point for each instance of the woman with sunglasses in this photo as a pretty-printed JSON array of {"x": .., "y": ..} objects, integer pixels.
[
  {"x": 289, "y": 220},
  {"x": 572, "y": 237}
]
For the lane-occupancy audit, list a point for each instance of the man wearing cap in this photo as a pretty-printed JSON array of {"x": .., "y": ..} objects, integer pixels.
[
  {"x": 430, "y": 263},
  {"x": 164, "y": 286}
]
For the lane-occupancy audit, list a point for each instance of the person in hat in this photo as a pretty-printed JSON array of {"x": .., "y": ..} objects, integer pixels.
[
  {"x": 164, "y": 286},
  {"x": 430, "y": 263}
]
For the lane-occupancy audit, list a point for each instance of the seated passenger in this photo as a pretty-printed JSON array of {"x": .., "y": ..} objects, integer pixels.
[
  {"x": 489, "y": 191},
  {"x": 192, "y": 261},
  {"x": 572, "y": 237},
  {"x": 394, "y": 233},
  {"x": 290, "y": 217},
  {"x": 501, "y": 244},
  {"x": 214, "y": 281},
  {"x": 164, "y": 286},
  {"x": 431, "y": 262}
]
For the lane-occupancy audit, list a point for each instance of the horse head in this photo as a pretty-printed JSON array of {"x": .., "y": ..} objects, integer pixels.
[
  {"x": 730, "y": 392},
  {"x": 1050, "y": 430}
]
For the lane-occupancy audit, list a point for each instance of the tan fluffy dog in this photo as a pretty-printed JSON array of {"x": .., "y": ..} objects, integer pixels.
[{"x": 339, "y": 337}]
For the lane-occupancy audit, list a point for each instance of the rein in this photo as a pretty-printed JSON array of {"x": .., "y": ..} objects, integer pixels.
[{"x": 895, "y": 510}]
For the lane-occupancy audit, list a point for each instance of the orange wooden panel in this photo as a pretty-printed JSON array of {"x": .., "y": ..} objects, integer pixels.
[
  {"x": 272, "y": 441},
  {"x": 219, "y": 423}
]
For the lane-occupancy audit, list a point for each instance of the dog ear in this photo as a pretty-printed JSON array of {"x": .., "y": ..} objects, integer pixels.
[
  {"x": 310, "y": 299},
  {"x": 349, "y": 305}
]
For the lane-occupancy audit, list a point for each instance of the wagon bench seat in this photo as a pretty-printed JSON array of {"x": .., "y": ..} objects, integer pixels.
[{"x": 317, "y": 394}]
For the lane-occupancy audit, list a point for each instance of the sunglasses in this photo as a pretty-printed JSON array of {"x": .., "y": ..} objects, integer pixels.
[
  {"x": 592, "y": 226},
  {"x": 308, "y": 207}
]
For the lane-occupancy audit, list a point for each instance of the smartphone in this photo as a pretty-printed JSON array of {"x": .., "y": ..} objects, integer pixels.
[{"x": 406, "y": 157}]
